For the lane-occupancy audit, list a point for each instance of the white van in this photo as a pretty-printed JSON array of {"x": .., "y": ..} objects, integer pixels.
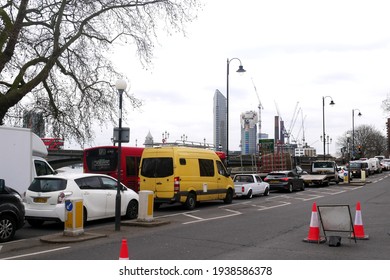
[
  {"x": 185, "y": 175},
  {"x": 375, "y": 165}
]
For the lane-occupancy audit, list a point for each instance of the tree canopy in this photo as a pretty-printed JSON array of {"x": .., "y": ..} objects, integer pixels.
[
  {"x": 368, "y": 142},
  {"x": 54, "y": 56}
]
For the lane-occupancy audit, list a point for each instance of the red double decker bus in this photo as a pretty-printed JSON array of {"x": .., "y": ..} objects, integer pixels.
[{"x": 104, "y": 160}]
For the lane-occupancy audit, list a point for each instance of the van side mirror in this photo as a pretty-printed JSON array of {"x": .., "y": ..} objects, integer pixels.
[{"x": 2, "y": 185}]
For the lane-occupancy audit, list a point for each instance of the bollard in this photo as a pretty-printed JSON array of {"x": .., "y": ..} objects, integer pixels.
[
  {"x": 146, "y": 201},
  {"x": 74, "y": 219},
  {"x": 363, "y": 175}
]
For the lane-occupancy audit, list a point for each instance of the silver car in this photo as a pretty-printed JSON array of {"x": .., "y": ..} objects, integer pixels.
[{"x": 45, "y": 197}]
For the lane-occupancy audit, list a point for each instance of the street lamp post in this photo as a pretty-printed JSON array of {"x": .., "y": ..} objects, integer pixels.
[
  {"x": 349, "y": 158},
  {"x": 328, "y": 141},
  {"x": 353, "y": 130},
  {"x": 120, "y": 86},
  {"x": 240, "y": 70},
  {"x": 323, "y": 120}
]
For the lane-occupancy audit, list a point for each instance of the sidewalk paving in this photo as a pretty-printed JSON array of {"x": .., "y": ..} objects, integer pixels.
[{"x": 63, "y": 237}]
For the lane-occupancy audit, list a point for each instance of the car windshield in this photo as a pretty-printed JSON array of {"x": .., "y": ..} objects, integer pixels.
[
  {"x": 323, "y": 165},
  {"x": 356, "y": 165},
  {"x": 47, "y": 185},
  {"x": 243, "y": 178}
]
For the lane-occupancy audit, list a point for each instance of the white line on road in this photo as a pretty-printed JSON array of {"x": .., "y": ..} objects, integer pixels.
[
  {"x": 36, "y": 253},
  {"x": 235, "y": 213}
]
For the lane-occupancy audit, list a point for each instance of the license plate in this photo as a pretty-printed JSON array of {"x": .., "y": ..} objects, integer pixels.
[
  {"x": 274, "y": 182},
  {"x": 40, "y": 199}
]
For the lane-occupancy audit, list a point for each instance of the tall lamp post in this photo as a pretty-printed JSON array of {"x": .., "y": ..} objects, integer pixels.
[
  {"x": 323, "y": 119},
  {"x": 349, "y": 158},
  {"x": 120, "y": 86},
  {"x": 240, "y": 70},
  {"x": 353, "y": 130}
]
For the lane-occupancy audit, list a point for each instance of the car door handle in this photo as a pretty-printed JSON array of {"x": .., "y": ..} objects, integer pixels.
[{"x": 158, "y": 183}]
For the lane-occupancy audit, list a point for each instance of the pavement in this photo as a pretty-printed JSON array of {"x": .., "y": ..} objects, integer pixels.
[{"x": 79, "y": 235}]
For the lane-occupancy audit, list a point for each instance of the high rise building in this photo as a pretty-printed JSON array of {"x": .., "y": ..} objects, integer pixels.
[
  {"x": 220, "y": 131},
  {"x": 249, "y": 120}
]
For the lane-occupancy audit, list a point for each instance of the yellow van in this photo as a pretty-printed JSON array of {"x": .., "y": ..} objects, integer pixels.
[{"x": 186, "y": 175}]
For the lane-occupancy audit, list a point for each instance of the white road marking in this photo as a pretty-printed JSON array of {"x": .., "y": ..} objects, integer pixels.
[
  {"x": 235, "y": 213},
  {"x": 36, "y": 253}
]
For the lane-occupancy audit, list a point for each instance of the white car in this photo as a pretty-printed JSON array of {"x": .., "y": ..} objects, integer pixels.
[
  {"x": 248, "y": 185},
  {"x": 45, "y": 197}
]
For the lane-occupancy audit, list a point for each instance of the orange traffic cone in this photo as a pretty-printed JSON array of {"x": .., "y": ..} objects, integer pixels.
[
  {"x": 314, "y": 230},
  {"x": 124, "y": 253},
  {"x": 358, "y": 226}
]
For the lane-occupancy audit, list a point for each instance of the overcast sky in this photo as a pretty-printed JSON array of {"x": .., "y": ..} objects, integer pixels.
[{"x": 295, "y": 53}]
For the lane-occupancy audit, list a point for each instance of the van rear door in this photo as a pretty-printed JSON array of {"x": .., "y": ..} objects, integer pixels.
[{"x": 157, "y": 176}]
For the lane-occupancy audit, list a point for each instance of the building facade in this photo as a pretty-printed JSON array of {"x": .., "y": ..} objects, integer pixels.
[
  {"x": 249, "y": 122},
  {"x": 219, "y": 123}
]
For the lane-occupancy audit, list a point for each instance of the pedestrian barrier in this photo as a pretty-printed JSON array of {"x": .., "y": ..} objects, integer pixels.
[
  {"x": 124, "y": 252},
  {"x": 314, "y": 230},
  {"x": 358, "y": 226}
]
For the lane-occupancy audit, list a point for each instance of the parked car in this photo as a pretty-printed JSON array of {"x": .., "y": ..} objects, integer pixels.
[
  {"x": 342, "y": 172},
  {"x": 357, "y": 166},
  {"x": 385, "y": 164},
  {"x": 11, "y": 212},
  {"x": 248, "y": 185},
  {"x": 285, "y": 180},
  {"x": 46, "y": 196}
]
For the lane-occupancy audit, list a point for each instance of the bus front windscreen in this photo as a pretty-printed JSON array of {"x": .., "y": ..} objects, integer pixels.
[{"x": 102, "y": 159}]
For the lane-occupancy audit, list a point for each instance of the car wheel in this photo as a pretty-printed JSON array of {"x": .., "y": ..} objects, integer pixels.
[
  {"x": 7, "y": 228},
  {"x": 35, "y": 223},
  {"x": 249, "y": 195},
  {"x": 290, "y": 188},
  {"x": 229, "y": 196},
  {"x": 132, "y": 209},
  {"x": 190, "y": 202},
  {"x": 303, "y": 187},
  {"x": 266, "y": 192}
]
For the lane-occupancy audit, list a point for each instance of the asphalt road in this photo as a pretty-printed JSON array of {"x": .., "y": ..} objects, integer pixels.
[{"x": 262, "y": 228}]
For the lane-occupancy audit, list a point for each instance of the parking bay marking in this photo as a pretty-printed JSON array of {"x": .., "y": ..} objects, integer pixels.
[{"x": 234, "y": 213}]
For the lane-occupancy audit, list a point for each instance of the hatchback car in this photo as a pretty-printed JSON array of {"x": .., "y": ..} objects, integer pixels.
[
  {"x": 11, "y": 212},
  {"x": 46, "y": 196},
  {"x": 285, "y": 180}
]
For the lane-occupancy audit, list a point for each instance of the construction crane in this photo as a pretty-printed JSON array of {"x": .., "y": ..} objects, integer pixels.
[
  {"x": 293, "y": 121},
  {"x": 287, "y": 133},
  {"x": 260, "y": 107}
]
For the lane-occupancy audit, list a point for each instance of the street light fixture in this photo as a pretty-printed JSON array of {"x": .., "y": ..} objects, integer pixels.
[
  {"x": 323, "y": 119},
  {"x": 120, "y": 86},
  {"x": 240, "y": 70},
  {"x": 353, "y": 130}
]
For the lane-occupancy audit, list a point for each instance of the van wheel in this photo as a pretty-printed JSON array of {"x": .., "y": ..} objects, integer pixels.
[
  {"x": 7, "y": 228},
  {"x": 229, "y": 196},
  {"x": 190, "y": 202},
  {"x": 156, "y": 205},
  {"x": 132, "y": 210}
]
